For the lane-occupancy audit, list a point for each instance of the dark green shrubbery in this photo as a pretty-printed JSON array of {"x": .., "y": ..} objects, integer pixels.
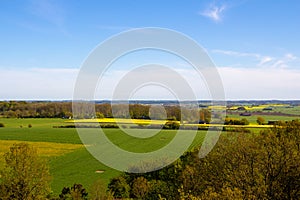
[
  {"x": 232, "y": 121},
  {"x": 261, "y": 165},
  {"x": 171, "y": 125}
]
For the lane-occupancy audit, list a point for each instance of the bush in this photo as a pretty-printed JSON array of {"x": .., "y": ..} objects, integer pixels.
[
  {"x": 260, "y": 120},
  {"x": 232, "y": 121},
  {"x": 77, "y": 191},
  {"x": 1, "y": 125},
  {"x": 171, "y": 125},
  {"x": 119, "y": 187},
  {"x": 29, "y": 126},
  {"x": 25, "y": 175}
]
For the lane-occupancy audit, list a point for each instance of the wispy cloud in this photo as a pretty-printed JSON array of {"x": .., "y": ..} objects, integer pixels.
[
  {"x": 48, "y": 11},
  {"x": 214, "y": 12},
  {"x": 117, "y": 28},
  {"x": 262, "y": 60},
  {"x": 283, "y": 62},
  {"x": 235, "y": 53}
]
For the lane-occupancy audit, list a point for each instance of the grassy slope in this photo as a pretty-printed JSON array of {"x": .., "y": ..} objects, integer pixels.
[{"x": 79, "y": 166}]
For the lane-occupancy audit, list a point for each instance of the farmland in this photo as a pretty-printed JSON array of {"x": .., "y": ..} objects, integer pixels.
[{"x": 71, "y": 163}]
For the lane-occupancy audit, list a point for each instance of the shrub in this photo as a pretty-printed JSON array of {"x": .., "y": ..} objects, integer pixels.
[
  {"x": 171, "y": 125},
  {"x": 77, "y": 191},
  {"x": 25, "y": 175},
  {"x": 1, "y": 125},
  {"x": 260, "y": 120},
  {"x": 232, "y": 121},
  {"x": 119, "y": 187}
]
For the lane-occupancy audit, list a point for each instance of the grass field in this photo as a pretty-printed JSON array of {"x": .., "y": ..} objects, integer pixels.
[
  {"x": 252, "y": 119},
  {"x": 69, "y": 161}
]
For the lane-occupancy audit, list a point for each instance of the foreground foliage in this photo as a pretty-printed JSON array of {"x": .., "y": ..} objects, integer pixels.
[
  {"x": 241, "y": 166},
  {"x": 25, "y": 175}
]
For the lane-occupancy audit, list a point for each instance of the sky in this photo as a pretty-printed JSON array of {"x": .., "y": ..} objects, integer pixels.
[{"x": 254, "y": 44}]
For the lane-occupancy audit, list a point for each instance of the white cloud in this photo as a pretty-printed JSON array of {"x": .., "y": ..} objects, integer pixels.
[
  {"x": 214, "y": 12},
  {"x": 290, "y": 56},
  {"x": 260, "y": 83},
  {"x": 284, "y": 61},
  {"x": 37, "y": 83},
  {"x": 152, "y": 89},
  {"x": 239, "y": 83},
  {"x": 235, "y": 53},
  {"x": 262, "y": 60},
  {"x": 48, "y": 11}
]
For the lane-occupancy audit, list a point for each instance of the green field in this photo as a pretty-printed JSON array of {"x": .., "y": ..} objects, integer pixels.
[
  {"x": 69, "y": 161},
  {"x": 252, "y": 119}
]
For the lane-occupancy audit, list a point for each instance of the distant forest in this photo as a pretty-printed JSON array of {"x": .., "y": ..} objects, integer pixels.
[{"x": 24, "y": 109}]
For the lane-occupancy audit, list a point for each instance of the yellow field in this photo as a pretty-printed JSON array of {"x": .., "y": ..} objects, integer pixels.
[
  {"x": 260, "y": 107},
  {"x": 217, "y": 107},
  {"x": 120, "y": 121},
  {"x": 43, "y": 148},
  {"x": 231, "y": 126},
  {"x": 160, "y": 122}
]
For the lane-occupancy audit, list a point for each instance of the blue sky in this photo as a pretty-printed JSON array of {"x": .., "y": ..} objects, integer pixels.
[{"x": 254, "y": 43}]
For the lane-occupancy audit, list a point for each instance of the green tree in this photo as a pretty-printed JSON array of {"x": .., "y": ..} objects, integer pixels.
[
  {"x": 99, "y": 191},
  {"x": 99, "y": 115},
  {"x": 140, "y": 187},
  {"x": 171, "y": 125},
  {"x": 119, "y": 187},
  {"x": 205, "y": 115},
  {"x": 244, "y": 121},
  {"x": 261, "y": 166},
  {"x": 260, "y": 120},
  {"x": 25, "y": 175},
  {"x": 76, "y": 192}
]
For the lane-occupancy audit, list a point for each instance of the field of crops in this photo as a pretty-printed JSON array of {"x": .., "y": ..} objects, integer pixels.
[
  {"x": 69, "y": 161},
  {"x": 136, "y": 122},
  {"x": 252, "y": 119},
  {"x": 120, "y": 121}
]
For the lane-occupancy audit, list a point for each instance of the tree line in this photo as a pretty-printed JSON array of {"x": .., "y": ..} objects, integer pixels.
[{"x": 24, "y": 109}]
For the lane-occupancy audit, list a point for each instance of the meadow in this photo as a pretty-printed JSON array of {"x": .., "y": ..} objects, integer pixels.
[{"x": 69, "y": 161}]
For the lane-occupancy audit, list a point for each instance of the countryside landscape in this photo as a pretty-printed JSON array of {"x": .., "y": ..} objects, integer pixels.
[
  {"x": 49, "y": 128},
  {"x": 149, "y": 100}
]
